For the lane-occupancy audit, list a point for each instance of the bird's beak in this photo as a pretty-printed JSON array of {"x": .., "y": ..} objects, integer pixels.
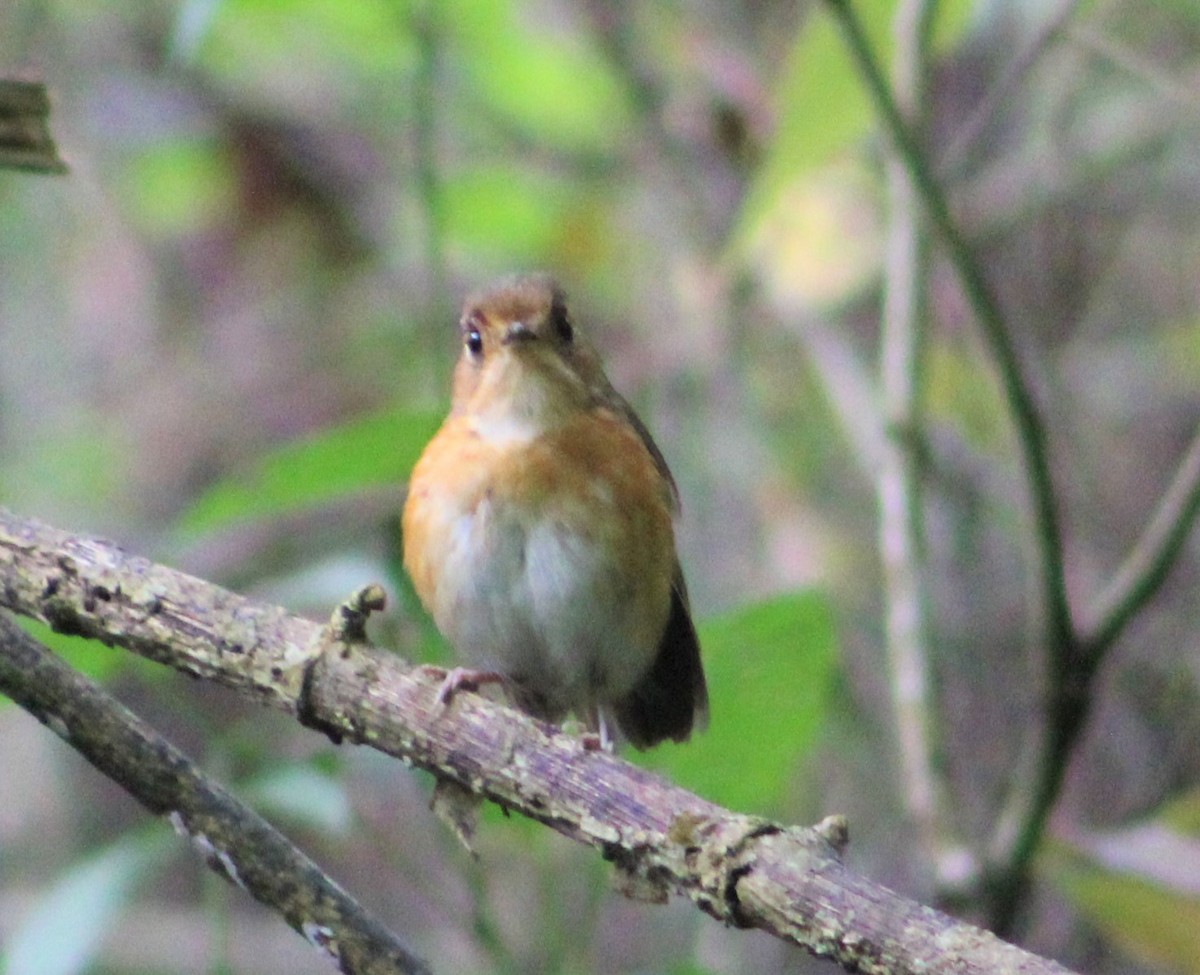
[{"x": 518, "y": 332}]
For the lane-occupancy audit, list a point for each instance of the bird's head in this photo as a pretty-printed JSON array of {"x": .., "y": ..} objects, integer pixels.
[{"x": 524, "y": 367}]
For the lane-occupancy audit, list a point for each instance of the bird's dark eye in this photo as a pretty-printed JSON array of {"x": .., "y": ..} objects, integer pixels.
[
  {"x": 562, "y": 325},
  {"x": 471, "y": 327},
  {"x": 473, "y": 340}
]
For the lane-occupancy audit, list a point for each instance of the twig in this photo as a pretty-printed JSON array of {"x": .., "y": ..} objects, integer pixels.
[
  {"x": 237, "y": 843},
  {"x": 957, "y": 157},
  {"x": 742, "y": 870},
  {"x": 1150, "y": 559},
  {"x": 1135, "y": 65},
  {"x": 899, "y": 481}
]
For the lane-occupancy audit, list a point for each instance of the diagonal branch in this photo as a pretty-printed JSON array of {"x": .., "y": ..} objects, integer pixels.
[
  {"x": 1151, "y": 558},
  {"x": 741, "y": 870},
  {"x": 958, "y": 156},
  {"x": 239, "y": 844}
]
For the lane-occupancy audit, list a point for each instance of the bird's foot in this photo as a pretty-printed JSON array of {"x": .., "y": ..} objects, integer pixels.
[
  {"x": 600, "y": 740},
  {"x": 461, "y": 679}
]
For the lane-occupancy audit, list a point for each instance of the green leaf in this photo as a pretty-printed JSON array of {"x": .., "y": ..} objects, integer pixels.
[
  {"x": 1182, "y": 814},
  {"x": 67, "y": 926},
  {"x": 951, "y": 20},
  {"x": 508, "y": 211},
  {"x": 962, "y": 392},
  {"x": 770, "y": 669},
  {"x": 301, "y": 53},
  {"x": 179, "y": 186},
  {"x": 90, "y": 657},
  {"x": 83, "y": 467},
  {"x": 376, "y": 450},
  {"x": 1151, "y": 921},
  {"x": 546, "y": 81},
  {"x": 821, "y": 105}
]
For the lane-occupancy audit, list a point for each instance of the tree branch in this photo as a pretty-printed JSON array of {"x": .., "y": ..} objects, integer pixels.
[
  {"x": 25, "y": 141},
  {"x": 238, "y": 844},
  {"x": 741, "y": 870}
]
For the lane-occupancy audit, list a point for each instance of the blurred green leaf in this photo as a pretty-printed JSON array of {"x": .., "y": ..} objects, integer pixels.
[
  {"x": 1152, "y": 922},
  {"x": 302, "y": 53},
  {"x": 821, "y": 106},
  {"x": 506, "y": 210},
  {"x": 90, "y": 657},
  {"x": 1186, "y": 9},
  {"x": 375, "y": 450},
  {"x": 85, "y": 466},
  {"x": 179, "y": 186},
  {"x": 549, "y": 83},
  {"x": 67, "y": 926},
  {"x": 962, "y": 392},
  {"x": 690, "y": 968},
  {"x": 1171, "y": 353},
  {"x": 1183, "y": 814},
  {"x": 952, "y": 18},
  {"x": 770, "y": 669}
]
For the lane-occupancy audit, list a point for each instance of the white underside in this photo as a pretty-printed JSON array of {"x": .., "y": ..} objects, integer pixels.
[{"x": 540, "y": 602}]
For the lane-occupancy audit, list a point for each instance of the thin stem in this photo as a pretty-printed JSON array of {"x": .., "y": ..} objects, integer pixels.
[
  {"x": 957, "y": 157},
  {"x": 899, "y": 488},
  {"x": 1134, "y": 583},
  {"x": 1137, "y": 67},
  {"x": 1150, "y": 559}
]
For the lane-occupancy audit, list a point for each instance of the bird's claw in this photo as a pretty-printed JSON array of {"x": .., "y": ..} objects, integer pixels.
[{"x": 462, "y": 678}]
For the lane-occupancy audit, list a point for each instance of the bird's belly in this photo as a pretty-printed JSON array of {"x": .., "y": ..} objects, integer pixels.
[{"x": 546, "y": 602}]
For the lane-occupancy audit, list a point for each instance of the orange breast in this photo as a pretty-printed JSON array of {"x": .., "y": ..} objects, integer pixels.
[{"x": 490, "y": 528}]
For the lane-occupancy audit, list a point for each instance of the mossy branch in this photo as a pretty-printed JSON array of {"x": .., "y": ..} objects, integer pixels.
[
  {"x": 237, "y": 843},
  {"x": 744, "y": 871}
]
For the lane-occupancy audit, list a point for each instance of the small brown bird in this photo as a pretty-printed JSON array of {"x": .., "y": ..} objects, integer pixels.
[{"x": 539, "y": 532}]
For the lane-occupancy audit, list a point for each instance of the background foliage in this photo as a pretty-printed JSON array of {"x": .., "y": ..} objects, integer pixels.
[{"x": 225, "y": 336}]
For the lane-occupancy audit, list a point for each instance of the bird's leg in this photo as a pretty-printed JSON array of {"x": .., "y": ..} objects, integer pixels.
[{"x": 598, "y": 737}]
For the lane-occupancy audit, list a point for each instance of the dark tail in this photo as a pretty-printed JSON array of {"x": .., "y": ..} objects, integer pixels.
[{"x": 672, "y": 698}]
